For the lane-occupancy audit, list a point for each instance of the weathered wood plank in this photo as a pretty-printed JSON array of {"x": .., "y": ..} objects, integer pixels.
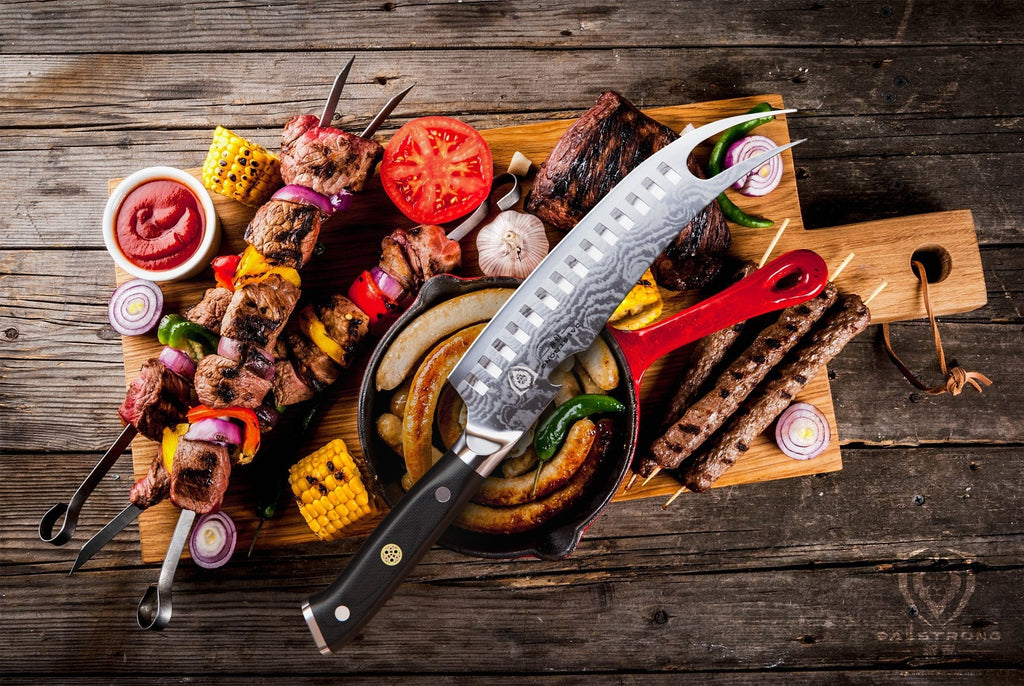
[
  {"x": 61, "y": 27},
  {"x": 794, "y": 619},
  {"x": 156, "y": 91}
]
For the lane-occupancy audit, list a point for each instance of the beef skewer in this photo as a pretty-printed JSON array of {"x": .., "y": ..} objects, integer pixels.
[
  {"x": 733, "y": 386},
  {"x": 133, "y": 423},
  {"x": 848, "y": 318}
]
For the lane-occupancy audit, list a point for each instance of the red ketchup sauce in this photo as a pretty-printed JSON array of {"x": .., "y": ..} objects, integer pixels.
[{"x": 159, "y": 225}]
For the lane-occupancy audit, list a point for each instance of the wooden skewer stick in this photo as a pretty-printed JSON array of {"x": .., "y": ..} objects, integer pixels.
[
  {"x": 878, "y": 290},
  {"x": 841, "y": 267},
  {"x": 674, "y": 496},
  {"x": 632, "y": 480},
  {"x": 771, "y": 246},
  {"x": 653, "y": 474}
]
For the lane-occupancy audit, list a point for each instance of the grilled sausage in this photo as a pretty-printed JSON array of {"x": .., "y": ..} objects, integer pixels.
[
  {"x": 735, "y": 383},
  {"x": 849, "y": 318}
]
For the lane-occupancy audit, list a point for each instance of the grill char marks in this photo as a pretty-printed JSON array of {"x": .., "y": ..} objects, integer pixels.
[
  {"x": 326, "y": 159},
  {"x": 221, "y": 383},
  {"x": 156, "y": 398},
  {"x": 199, "y": 475},
  {"x": 285, "y": 232},
  {"x": 209, "y": 311},
  {"x": 610, "y": 140},
  {"x": 258, "y": 311}
]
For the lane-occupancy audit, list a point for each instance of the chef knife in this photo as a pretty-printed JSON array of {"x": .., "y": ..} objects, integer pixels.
[{"x": 557, "y": 311}]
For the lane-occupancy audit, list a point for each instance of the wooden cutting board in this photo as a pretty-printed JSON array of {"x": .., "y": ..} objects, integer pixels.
[{"x": 883, "y": 251}]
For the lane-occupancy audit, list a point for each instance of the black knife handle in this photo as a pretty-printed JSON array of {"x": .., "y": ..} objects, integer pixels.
[{"x": 339, "y": 612}]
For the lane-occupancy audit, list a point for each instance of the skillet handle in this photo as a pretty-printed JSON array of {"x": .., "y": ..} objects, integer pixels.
[
  {"x": 793, "y": 278},
  {"x": 339, "y": 612}
]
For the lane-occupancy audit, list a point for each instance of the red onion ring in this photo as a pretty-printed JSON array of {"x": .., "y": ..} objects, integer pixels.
[
  {"x": 260, "y": 362},
  {"x": 268, "y": 416},
  {"x": 802, "y": 431},
  {"x": 214, "y": 430},
  {"x": 230, "y": 348},
  {"x": 213, "y": 540},
  {"x": 304, "y": 196},
  {"x": 341, "y": 201},
  {"x": 388, "y": 284},
  {"x": 765, "y": 178},
  {"x": 135, "y": 307},
  {"x": 178, "y": 362}
]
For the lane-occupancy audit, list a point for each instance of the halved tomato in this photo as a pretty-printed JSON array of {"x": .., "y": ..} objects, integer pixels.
[{"x": 436, "y": 169}]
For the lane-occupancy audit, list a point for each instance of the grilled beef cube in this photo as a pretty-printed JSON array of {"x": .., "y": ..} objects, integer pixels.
[
  {"x": 326, "y": 159},
  {"x": 258, "y": 311},
  {"x": 594, "y": 154},
  {"x": 311, "y": 363},
  {"x": 597, "y": 152},
  {"x": 289, "y": 388},
  {"x": 346, "y": 324},
  {"x": 696, "y": 255},
  {"x": 412, "y": 256},
  {"x": 152, "y": 488},
  {"x": 156, "y": 398},
  {"x": 285, "y": 232},
  {"x": 209, "y": 311},
  {"x": 199, "y": 475},
  {"x": 221, "y": 382}
]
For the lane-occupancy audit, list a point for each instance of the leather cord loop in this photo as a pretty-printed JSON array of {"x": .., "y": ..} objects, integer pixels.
[{"x": 957, "y": 378}]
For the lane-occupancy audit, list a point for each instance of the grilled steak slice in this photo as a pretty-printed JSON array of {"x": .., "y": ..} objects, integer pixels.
[
  {"x": 258, "y": 311},
  {"x": 285, "y": 232},
  {"x": 597, "y": 151},
  {"x": 156, "y": 398},
  {"x": 412, "y": 256},
  {"x": 209, "y": 311},
  {"x": 152, "y": 488},
  {"x": 849, "y": 318},
  {"x": 289, "y": 388},
  {"x": 696, "y": 255},
  {"x": 326, "y": 159},
  {"x": 311, "y": 363},
  {"x": 345, "y": 323},
  {"x": 221, "y": 382},
  {"x": 199, "y": 475}
]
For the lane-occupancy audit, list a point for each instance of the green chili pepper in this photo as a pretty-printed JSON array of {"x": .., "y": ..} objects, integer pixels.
[
  {"x": 194, "y": 339},
  {"x": 552, "y": 432},
  {"x": 717, "y": 159}
]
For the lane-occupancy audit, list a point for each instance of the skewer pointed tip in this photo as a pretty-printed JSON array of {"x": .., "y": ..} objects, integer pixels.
[
  {"x": 841, "y": 267},
  {"x": 632, "y": 480},
  {"x": 653, "y": 474},
  {"x": 771, "y": 246},
  {"x": 878, "y": 290},
  {"x": 674, "y": 496}
]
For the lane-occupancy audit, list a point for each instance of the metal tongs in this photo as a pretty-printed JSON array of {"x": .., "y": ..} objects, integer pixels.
[{"x": 154, "y": 609}]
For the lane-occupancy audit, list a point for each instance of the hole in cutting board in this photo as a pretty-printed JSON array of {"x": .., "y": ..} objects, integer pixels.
[{"x": 936, "y": 260}]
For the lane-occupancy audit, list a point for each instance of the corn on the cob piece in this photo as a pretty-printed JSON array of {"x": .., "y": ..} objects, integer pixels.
[
  {"x": 641, "y": 306},
  {"x": 331, "y": 491},
  {"x": 240, "y": 170}
]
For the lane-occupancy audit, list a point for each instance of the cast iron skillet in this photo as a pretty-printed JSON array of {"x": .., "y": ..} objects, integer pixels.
[{"x": 791, "y": 279}]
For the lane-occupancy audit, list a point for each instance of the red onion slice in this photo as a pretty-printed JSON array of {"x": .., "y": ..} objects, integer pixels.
[
  {"x": 260, "y": 362},
  {"x": 229, "y": 348},
  {"x": 213, "y": 540},
  {"x": 388, "y": 284},
  {"x": 341, "y": 201},
  {"x": 135, "y": 307},
  {"x": 215, "y": 430},
  {"x": 178, "y": 362},
  {"x": 304, "y": 196},
  {"x": 765, "y": 178},
  {"x": 802, "y": 431}
]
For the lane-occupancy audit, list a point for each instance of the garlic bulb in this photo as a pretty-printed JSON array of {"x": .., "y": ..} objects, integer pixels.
[{"x": 511, "y": 245}]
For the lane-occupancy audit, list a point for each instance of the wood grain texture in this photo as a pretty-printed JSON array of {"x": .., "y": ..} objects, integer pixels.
[{"x": 910, "y": 107}]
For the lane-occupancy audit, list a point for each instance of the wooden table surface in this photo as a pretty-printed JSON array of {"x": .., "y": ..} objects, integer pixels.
[{"x": 904, "y": 566}]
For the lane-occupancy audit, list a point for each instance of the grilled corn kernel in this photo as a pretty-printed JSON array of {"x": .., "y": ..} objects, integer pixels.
[
  {"x": 241, "y": 170},
  {"x": 329, "y": 503},
  {"x": 641, "y": 306}
]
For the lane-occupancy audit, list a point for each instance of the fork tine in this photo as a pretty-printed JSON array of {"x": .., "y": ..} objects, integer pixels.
[
  {"x": 384, "y": 113},
  {"x": 332, "y": 100},
  {"x": 720, "y": 182},
  {"x": 696, "y": 136}
]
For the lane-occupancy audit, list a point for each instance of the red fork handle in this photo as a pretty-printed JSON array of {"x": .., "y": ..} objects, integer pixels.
[{"x": 793, "y": 278}]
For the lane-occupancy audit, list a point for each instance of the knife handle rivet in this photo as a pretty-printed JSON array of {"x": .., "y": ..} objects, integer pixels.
[
  {"x": 443, "y": 494},
  {"x": 342, "y": 613}
]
